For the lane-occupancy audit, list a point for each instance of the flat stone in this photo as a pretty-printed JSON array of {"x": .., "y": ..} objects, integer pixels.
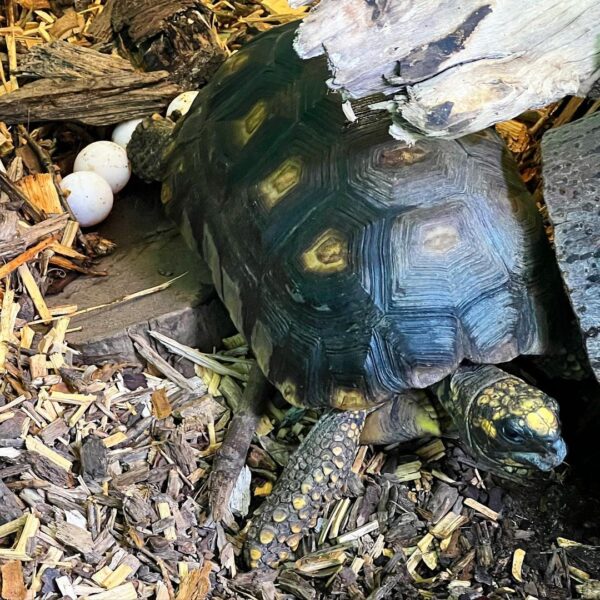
[{"x": 149, "y": 252}]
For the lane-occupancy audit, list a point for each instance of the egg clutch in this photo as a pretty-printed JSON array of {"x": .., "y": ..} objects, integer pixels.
[{"x": 102, "y": 169}]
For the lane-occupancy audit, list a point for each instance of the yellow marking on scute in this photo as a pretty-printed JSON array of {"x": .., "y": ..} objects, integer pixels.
[
  {"x": 166, "y": 193},
  {"x": 290, "y": 393},
  {"x": 401, "y": 155},
  {"x": 234, "y": 63},
  {"x": 262, "y": 346},
  {"x": 296, "y": 527},
  {"x": 440, "y": 239},
  {"x": 327, "y": 254},
  {"x": 187, "y": 231},
  {"x": 318, "y": 475},
  {"x": 489, "y": 428},
  {"x": 250, "y": 124},
  {"x": 280, "y": 182},
  {"x": 349, "y": 399},
  {"x": 337, "y": 450},
  {"x": 232, "y": 299},
  {"x": 542, "y": 421},
  {"x": 306, "y": 487},
  {"x": 211, "y": 256}
]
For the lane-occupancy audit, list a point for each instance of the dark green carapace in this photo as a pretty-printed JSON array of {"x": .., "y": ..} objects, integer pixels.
[{"x": 355, "y": 265}]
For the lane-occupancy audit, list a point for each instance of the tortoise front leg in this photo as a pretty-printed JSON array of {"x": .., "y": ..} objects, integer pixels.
[
  {"x": 315, "y": 474},
  {"x": 319, "y": 468},
  {"x": 409, "y": 416}
]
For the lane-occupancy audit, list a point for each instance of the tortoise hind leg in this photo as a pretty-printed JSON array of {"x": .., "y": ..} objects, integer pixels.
[{"x": 315, "y": 474}]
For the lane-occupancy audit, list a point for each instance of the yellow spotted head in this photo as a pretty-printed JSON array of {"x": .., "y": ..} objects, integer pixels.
[{"x": 513, "y": 424}]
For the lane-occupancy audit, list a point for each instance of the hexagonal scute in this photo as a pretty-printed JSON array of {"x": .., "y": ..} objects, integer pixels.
[{"x": 355, "y": 265}]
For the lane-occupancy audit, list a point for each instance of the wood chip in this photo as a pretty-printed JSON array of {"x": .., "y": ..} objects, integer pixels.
[
  {"x": 517, "y": 564},
  {"x": 447, "y": 525},
  {"x": 122, "y": 592},
  {"x": 35, "y": 445},
  {"x": 41, "y": 191},
  {"x": 358, "y": 533},
  {"x": 482, "y": 509},
  {"x": 13, "y": 583},
  {"x": 160, "y": 404}
]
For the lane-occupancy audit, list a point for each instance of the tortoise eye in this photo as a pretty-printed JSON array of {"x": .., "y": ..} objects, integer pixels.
[{"x": 511, "y": 433}]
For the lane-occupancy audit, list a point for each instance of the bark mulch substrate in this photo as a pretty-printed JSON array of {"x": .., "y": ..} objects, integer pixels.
[
  {"x": 104, "y": 493},
  {"x": 104, "y": 469}
]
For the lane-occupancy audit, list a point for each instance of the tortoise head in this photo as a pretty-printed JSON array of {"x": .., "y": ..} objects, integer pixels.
[
  {"x": 515, "y": 426},
  {"x": 147, "y": 149}
]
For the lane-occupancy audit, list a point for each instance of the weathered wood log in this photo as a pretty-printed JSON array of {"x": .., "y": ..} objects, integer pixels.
[
  {"x": 172, "y": 35},
  {"x": 571, "y": 170},
  {"x": 455, "y": 67},
  {"x": 80, "y": 84}
]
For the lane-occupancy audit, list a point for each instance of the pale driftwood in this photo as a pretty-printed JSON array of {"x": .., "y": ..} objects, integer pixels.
[
  {"x": 571, "y": 169},
  {"x": 455, "y": 68},
  {"x": 79, "y": 84}
]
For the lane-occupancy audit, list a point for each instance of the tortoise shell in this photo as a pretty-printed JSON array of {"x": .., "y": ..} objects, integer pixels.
[{"x": 356, "y": 265}]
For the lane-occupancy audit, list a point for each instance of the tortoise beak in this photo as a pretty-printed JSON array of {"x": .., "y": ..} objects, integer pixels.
[{"x": 546, "y": 460}]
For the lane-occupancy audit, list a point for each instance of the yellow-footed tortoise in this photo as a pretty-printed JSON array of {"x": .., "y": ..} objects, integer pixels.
[{"x": 360, "y": 269}]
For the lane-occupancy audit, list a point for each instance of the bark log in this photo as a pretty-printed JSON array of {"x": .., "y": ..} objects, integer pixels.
[
  {"x": 453, "y": 68},
  {"x": 172, "y": 35},
  {"x": 79, "y": 84},
  {"x": 571, "y": 159}
]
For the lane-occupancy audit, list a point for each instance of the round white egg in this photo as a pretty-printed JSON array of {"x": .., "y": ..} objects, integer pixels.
[
  {"x": 182, "y": 103},
  {"x": 107, "y": 159},
  {"x": 122, "y": 133},
  {"x": 89, "y": 197}
]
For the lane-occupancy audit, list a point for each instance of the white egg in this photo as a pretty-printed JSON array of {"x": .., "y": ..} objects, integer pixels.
[
  {"x": 181, "y": 103},
  {"x": 123, "y": 131},
  {"x": 107, "y": 159},
  {"x": 89, "y": 197}
]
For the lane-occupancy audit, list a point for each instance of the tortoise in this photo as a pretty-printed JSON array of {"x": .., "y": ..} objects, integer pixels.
[{"x": 362, "y": 271}]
